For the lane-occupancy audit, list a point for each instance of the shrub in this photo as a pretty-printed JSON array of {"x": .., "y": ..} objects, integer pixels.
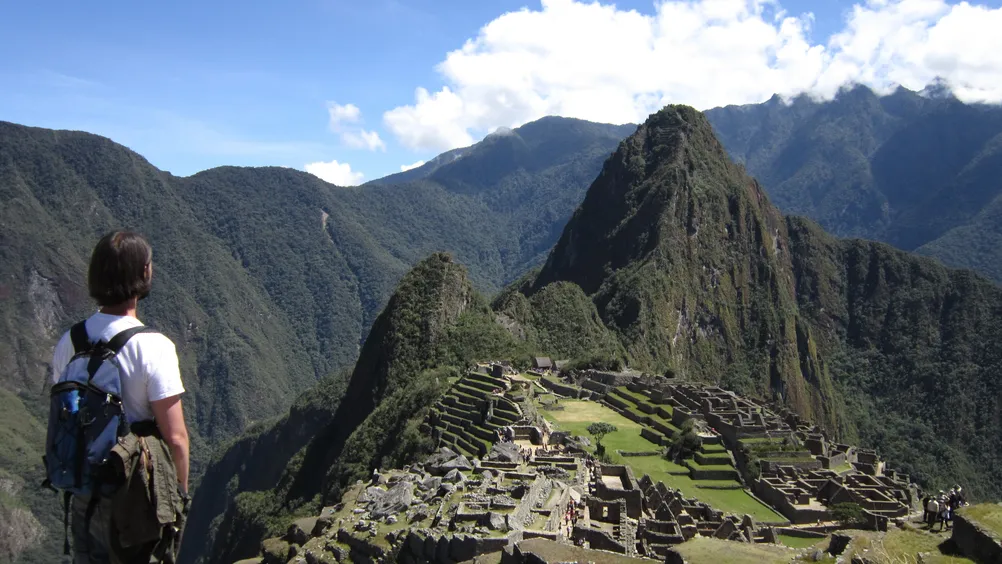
[{"x": 848, "y": 514}]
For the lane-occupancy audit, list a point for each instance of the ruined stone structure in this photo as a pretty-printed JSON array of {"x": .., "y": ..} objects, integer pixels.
[{"x": 501, "y": 484}]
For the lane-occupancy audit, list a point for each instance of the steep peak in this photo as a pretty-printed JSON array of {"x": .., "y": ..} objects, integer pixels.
[{"x": 650, "y": 200}]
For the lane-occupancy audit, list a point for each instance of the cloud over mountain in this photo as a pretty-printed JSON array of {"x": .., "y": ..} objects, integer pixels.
[
  {"x": 339, "y": 174},
  {"x": 597, "y": 62}
]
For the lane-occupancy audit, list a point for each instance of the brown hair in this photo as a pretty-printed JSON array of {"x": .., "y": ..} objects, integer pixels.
[{"x": 118, "y": 268}]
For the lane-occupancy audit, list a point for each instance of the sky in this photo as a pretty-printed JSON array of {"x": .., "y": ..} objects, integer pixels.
[{"x": 355, "y": 90}]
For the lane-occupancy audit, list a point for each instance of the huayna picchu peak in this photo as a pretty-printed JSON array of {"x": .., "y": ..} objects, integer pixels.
[{"x": 678, "y": 372}]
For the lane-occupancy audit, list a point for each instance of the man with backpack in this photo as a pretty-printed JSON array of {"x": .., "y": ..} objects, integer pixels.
[{"x": 117, "y": 444}]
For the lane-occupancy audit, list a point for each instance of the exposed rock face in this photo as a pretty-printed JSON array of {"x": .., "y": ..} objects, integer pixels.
[
  {"x": 458, "y": 463},
  {"x": 19, "y": 530},
  {"x": 505, "y": 452},
  {"x": 383, "y": 503}
]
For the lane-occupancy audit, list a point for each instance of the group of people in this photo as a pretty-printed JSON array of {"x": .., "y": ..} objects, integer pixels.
[
  {"x": 571, "y": 515},
  {"x": 940, "y": 508}
]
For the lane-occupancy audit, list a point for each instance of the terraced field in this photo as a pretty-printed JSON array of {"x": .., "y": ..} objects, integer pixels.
[
  {"x": 464, "y": 418},
  {"x": 575, "y": 417}
]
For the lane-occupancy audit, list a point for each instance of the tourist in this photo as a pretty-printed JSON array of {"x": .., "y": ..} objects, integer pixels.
[
  {"x": 925, "y": 508},
  {"x": 932, "y": 511},
  {"x": 944, "y": 513},
  {"x": 119, "y": 276},
  {"x": 961, "y": 500}
]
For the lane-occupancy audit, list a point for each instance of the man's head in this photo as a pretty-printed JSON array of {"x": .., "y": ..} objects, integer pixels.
[{"x": 120, "y": 268}]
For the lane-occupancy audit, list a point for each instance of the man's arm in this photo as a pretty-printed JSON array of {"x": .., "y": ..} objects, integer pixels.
[{"x": 170, "y": 420}]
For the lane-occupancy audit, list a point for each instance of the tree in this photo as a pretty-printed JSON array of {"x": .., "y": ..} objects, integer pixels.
[
  {"x": 599, "y": 430},
  {"x": 848, "y": 514}
]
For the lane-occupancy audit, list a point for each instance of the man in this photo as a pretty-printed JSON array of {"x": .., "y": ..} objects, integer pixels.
[
  {"x": 120, "y": 275},
  {"x": 933, "y": 511}
]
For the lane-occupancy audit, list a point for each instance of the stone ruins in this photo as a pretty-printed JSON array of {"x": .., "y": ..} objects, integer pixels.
[{"x": 503, "y": 481}]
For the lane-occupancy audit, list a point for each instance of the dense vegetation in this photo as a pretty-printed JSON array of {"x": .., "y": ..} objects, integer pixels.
[
  {"x": 693, "y": 269},
  {"x": 434, "y": 324},
  {"x": 919, "y": 171},
  {"x": 267, "y": 279}
]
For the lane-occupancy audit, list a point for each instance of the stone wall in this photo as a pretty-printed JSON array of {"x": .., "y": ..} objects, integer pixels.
[
  {"x": 564, "y": 389},
  {"x": 523, "y": 515},
  {"x": 797, "y": 514},
  {"x": 630, "y": 494},
  {"x": 612, "y": 379},
  {"x": 811, "y": 464},
  {"x": 652, "y": 436},
  {"x": 833, "y": 461},
  {"x": 974, "y": 541}
]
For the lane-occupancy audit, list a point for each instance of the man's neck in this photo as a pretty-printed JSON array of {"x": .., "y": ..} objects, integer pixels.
[{"x": 126, "y": 309}]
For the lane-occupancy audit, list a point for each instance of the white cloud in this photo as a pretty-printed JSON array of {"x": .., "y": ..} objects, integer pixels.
[
  {"x": 363, "y": 139},
  {"x": 342, "y": 121},
  {"x": 405, "y": 168},
  {"x": 336, "y": 173},
  {"x": 597, "y": 62},
  {"x": 348, "y": 113}
]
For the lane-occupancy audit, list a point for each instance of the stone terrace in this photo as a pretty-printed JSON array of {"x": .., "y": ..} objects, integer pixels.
[{"x": 476, "y": 496}]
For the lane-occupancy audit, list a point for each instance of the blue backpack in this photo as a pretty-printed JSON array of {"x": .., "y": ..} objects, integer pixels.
[{"x": 86, "y": 419}]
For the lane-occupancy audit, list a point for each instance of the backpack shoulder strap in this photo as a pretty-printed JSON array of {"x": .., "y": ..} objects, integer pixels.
[
  {"x": 116, "y": 343},
  {"x": 79, "y": 338}
]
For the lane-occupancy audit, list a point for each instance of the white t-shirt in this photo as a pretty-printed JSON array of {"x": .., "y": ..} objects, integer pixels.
[{"x": 149, "y": 364}]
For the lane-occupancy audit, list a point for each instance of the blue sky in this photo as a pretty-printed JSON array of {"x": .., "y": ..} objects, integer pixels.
[{"x": 192, "y": 85}]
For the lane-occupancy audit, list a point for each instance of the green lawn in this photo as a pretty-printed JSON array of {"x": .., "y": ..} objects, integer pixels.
[
  {"x": 702, "y": 550},
  {"x": 988, "y": 515},
  {"x": 799, "y": 542},
  {"x": 842, "y": 468},
  {"x": 715, "y": 467},
  {"x": 900, "y": 545},
  {"x": 717, "y": 483},
  {"x": 578, "y": 414}
]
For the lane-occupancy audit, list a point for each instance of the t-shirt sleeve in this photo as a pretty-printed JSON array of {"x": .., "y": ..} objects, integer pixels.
[
  {"x": 61, "y": 357},
  {"x": 164, "y": 380}
]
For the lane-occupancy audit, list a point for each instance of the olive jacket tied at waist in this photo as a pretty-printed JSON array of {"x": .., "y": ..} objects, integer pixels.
[{"x": 147, "y": 511}]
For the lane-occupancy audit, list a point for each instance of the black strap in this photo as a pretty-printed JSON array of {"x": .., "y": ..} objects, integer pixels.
[
  {"x": 145, "y": 429},
  {"x": 66, "y": 522},
  {"x": 115, "y": 344},
  {"x": 95, "y": 498},
  {"x": 79, "y": 337}
]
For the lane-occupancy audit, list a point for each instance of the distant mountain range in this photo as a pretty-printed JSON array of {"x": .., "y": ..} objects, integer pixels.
[{"x": 921, "y": 171}]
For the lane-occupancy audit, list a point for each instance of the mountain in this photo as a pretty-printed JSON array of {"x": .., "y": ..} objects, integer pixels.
[
  {"x": 267, "y": 279},
  {"x": 434, "y": 322},
  {"x": 433, "y": 327},
  {"x": 920, "y": 171},
  {"x": 696, "y": 272},
  {"x": 675, "y": 262},
  {"x": 528, "y": 181}
]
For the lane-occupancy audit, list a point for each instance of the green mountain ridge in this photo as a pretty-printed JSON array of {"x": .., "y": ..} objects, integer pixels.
[
  {"x": 267, "y": 279},
  {"x": 703, "y": 277},
  {"x": 917, "y": 170}
]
